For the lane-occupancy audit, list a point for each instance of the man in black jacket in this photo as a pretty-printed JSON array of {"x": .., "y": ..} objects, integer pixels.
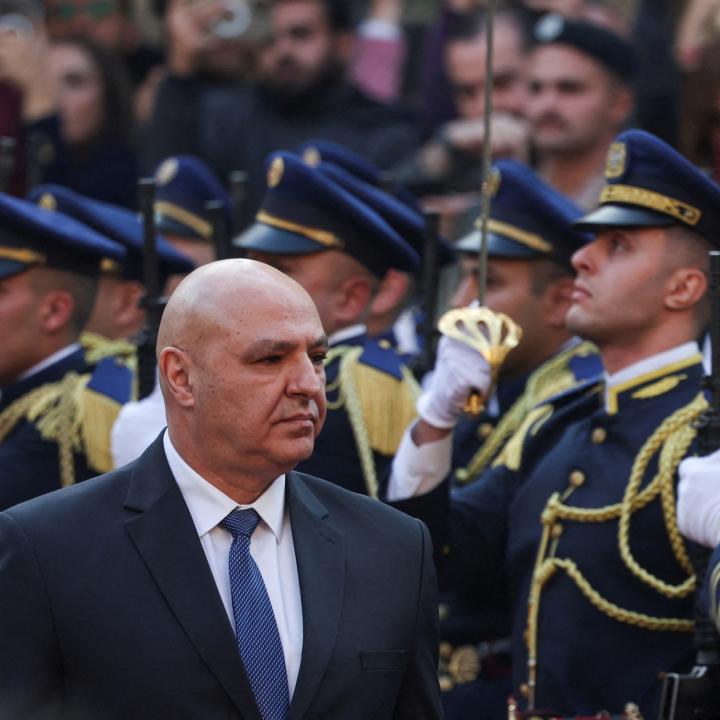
[
  {"x": 207, "y": 579},
  {"x": 302, "y": 93}
]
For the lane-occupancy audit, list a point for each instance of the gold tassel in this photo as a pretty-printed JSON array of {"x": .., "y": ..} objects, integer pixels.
[
  {"x": 388, "y": 405},
  {"x": 96, "y": 415}
]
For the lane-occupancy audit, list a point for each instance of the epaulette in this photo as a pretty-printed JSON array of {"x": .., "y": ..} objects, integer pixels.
[
  {"x": 553, "y": 380},
  {"x": 112, "y": 378},
  {"x": 586, "y": 365},
  {"x": 77, "y": 419},
  {"x": 380, "y": 355},
  {"x": 380, "y": 404}
]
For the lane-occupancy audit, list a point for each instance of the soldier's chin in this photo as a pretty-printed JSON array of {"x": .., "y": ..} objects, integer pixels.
[{"x": 576, "y": 321}]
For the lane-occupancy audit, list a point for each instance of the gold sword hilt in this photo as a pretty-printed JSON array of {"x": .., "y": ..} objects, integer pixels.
[{"x": 492, "y": 334}]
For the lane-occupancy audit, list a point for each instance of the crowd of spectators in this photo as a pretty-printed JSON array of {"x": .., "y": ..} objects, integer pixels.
[{"x": 97, "y": 92}]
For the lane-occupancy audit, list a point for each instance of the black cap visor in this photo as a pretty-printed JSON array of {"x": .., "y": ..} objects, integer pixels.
[
  {"x": 498, "y": 246},
  {"x": 267, "y": 239},
  {"x": 8, "y": 268},
  {"x": 612, "y": 215}
]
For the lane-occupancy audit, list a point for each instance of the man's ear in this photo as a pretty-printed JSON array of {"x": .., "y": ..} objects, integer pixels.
[
  {"x": 174, "y": 366},
  {"x": 353, "y": 300},
  {"x": 685, "y": 288},
  {"x": 390, "y": 293},
  {"x": 55, "y": 311},
  {"x": 556, "y": 301},
  {"x": 129, "y": 313}
]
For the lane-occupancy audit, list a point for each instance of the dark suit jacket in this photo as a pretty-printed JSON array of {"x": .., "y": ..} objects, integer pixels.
[{"x": 108, "y": 608}]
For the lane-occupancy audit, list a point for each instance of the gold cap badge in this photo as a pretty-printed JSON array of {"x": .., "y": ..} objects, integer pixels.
[
  {"x": 47, "y": 201},
  {"x": 616, "y": 161},
  {"x": 311, "y": 157},
  {"x": 275, "y": 172},
  {"x": 492, "y": 185},
  {"x": 167, "y": 171}
]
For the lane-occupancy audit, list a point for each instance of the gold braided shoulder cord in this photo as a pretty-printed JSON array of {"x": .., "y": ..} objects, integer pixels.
[
  {"x": 348, "y": 397},
  {"x": 99, "y": 348},
  {"x": 543, "y": 383},
  {"x": 54, "y": 410},
  {"x": 672, "y": 438}
]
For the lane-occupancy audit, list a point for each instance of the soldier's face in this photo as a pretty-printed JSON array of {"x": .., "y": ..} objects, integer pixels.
[
  {"x": 19, "y": 326},
  {"x": 511, "y": 290},
  {"x": 619, "y": 292}
]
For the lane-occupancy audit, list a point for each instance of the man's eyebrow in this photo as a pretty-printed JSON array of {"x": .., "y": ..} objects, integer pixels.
[{"x": 270, "y": 346}]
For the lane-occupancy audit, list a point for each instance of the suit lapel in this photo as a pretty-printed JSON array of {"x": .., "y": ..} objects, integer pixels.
[
  {"x": 164, "y": 534},
  {"x": 320, "y": 556}
]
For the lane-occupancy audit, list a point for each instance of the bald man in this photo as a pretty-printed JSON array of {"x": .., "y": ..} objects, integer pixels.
[{"x": 207, "y": 579}]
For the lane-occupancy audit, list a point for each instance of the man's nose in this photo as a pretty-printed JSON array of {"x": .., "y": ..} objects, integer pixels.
[
  {"x": 582, "y": 258},
  {"x": 306, "y": 379}
]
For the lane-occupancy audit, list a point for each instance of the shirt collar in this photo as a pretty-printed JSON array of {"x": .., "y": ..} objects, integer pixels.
[
  {"x": 352, "y": 331},
  {"x": 49, "y": 360},
  {"x": 208, "y": 506}
]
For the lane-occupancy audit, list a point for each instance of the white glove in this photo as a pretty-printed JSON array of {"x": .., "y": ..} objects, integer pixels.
[
  {"x": 458, "y": 371},
  {"x": 698, "y": 505}
]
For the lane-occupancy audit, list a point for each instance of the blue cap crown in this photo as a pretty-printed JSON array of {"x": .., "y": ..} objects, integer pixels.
[
  {"x": 528, "y": 218},
  {"x": 32, "y": 236},
  {"x": 115, "y": 223},
  {"x": 315, "y": 152},
  {"x": 408, "y": 223},
  {"x": 184, "y": 185},
  {"x": 648, "y": 183},
  {"x": 304, "y": 211}
]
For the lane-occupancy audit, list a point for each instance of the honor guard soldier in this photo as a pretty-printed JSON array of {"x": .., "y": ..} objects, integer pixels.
[
  {"x": 390, "y": 321},
  {"x": 184, "y": 187},
  {"x": 339, "y": 249},
  {"x": 393, "y": 317},
  {"x": 531, "y": 240},
  {"x": 117, "y": 314},
  {"x": 577, "y": 517},
  {"x": 49, "y": 413}
]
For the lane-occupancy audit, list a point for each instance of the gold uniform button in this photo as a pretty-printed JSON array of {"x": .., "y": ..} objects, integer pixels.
[
  {"x": 599, "y": 435},
  {"x": 446, "y": 684},
  {"x": 445, "y": 650},
  {"x": 485, "y": 430},
  {"x": 525, "y": 690},
  {"x": 557, "y": 531},
  {"x": 385, "y": 344},
  {"x": 577, "y": 478}
]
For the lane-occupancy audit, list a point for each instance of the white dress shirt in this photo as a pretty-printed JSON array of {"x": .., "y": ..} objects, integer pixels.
[
  {"x": 271, "y": 546},
  {"x": 138, "y": 423}
]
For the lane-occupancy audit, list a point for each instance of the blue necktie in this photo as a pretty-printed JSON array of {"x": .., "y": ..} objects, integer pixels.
[{"x": 257, "y": 634}]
